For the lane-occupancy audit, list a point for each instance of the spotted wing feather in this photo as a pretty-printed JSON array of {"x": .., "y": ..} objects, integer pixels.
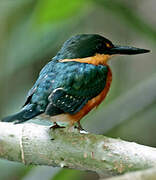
[{"x": 67, "y": 103}]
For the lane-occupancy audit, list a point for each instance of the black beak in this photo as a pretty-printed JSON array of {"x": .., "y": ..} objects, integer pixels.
[{"x": 127, "y": 50}]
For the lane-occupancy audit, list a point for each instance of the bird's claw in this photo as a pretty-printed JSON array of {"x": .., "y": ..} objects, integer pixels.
[
  {"x": 79, "y": 127},
  {"x": 56, "y": 126}
]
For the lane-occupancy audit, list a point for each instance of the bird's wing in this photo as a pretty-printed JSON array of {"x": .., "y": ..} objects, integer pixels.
[
  {"x": 76, "y": 84},
  {"x": 65, "y": 102},
  {"x": 33, "y": 89},
  {"x": 42, "y": 76}
]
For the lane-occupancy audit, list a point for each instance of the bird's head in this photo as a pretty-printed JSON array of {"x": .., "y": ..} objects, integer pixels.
[{"x": 89, "y": 45}]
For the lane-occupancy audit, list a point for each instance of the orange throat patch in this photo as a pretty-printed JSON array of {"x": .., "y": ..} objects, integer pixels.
[{"x": 96, "y": 60}]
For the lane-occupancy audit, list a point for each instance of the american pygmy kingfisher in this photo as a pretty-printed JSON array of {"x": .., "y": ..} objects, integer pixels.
[{"x": 75, "y": 81}]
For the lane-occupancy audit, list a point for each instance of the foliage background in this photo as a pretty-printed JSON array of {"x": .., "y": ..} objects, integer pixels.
[{"x": 31, "y": 32}]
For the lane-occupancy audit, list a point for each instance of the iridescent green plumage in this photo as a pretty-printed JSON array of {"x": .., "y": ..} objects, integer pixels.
[{"x": 78, "y": 80}]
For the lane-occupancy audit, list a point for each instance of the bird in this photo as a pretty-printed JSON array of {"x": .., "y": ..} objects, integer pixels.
[{"x": 74, "y": 82}]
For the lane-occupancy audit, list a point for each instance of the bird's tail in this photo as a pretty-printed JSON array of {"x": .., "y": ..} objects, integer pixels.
[{"x": 28, "y": 112}]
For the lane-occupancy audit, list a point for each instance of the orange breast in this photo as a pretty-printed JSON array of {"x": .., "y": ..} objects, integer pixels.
[{"x": 93, "y": 102}]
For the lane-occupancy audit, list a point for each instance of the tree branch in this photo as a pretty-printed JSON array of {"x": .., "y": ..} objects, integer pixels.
[{"x": 35, "y": 144}]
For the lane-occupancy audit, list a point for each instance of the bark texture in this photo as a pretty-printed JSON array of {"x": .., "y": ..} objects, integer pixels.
[{"x": 35, "y": 144}]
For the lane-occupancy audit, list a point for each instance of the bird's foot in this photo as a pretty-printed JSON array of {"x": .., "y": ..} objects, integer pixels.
[
  {"x": 56, "y": 126},
  {"x": 79, "y": 127}
]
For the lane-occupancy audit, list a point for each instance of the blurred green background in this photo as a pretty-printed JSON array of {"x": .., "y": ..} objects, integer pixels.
[{"x": 32, "y": 31}]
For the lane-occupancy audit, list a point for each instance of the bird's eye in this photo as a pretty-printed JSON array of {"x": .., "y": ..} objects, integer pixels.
[{"x": 108, "y": 45}]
